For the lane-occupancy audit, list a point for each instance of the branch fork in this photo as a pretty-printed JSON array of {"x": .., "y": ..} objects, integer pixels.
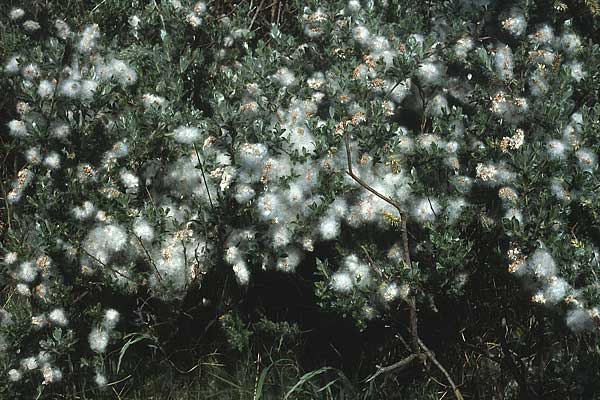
[{"x": 419, "y": 350}]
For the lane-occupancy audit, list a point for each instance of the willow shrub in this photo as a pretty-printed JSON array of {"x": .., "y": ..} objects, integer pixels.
[{"x": 172, "y": 153}]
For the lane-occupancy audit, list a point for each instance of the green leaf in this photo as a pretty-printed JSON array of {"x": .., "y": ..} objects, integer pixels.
[
  {"x": 185, "y": 60},
  {"x": 261, "y": 380},
  {"x": 134, "y": 338},
  {"x": 305, "y": 378}
]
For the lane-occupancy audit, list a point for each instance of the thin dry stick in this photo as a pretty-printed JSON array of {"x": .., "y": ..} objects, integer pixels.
[
  {"x": 404, "y": 342},
  {"x": 274, "y": 7},
  {"x": 258, "y": 9},
  {"x": 203, "y": 177},
  {"x": 279, "y": 8},
  {"x": 412, "y": 303},
  {"x": 119, "y": 381},
  {"x": 400, "y": 365},
  {"x": 435, "y": 362},
  {"x": 108, "y": 266},
  {"x": 149, "y": 257},
  {"x": 411, "y": 300},
  {"x": 364, "y": 184},
  {"x": 8, "y": 216},
  {"x": 418, "y": 346},
  {"x": 372, "y": 263}
]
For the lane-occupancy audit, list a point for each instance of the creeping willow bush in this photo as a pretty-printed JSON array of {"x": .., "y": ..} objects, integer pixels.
[{"x": 168, "y": 150}]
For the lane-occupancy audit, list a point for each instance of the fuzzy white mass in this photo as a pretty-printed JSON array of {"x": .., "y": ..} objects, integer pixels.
[
  {"x": 58, "y": 317},
  {"x": 62, "y": 29},
  {"x": 88, "y": 39},
  {"x": 111, "y": 318},
  {"x": 116, "y": 70},
  {"x": 30, "y": 72},
  {"x": 543, "y": 36},
  {"x": 570, "y": 43},
  {"x": 12, "y": 66},
  {"x": 463, "y": 46},
  {"x": 143, "y": 229},
  {"x": 31, "y": 25},
  {"x": 33, "y": 155},
  {"x": 579, "y": 320},
  {"x": 242, "y": 275},
  {"x": 576, "y": 70},
  {"x": 100, "y": 379},
  {"x": 27, "y": 272},
  {"x": 85, "y": 211},
  {"x": 556, "y": 290},
  {"x": 251, "y": 155},
  {"x": 329, "y": 227},
  {"x": 437, "y": 106},
  {"x": 10, "y": 258},
  {"x": 14, "y": 375},
  {"x": 361, "y": 34},
  {"x": 429, "y": 73},
  {"x": 389, "y": 292},
  {"x": 504, "y": 62},
  {"x": 426, "y": 209},
  {"x": 270, "y": 206},
  {"x": 244, "y": 193},
  {"x": 289, "y": 262},
  {"x": 514, "y": 213},
  {"x": 17, "y": 128},
  {"x": 586, "y": 159},
  {"x": 130, "y": 181},
  {"x": 70, "y": 88},
  {"x": 60, "y": 130},
  {"x": 358, "y": 271},
  {"x": 87, "y": 89},
  {"x": 29, "y": 363},
  {"x": 186, "y": 134},
  {"x": 104, "y": 241},
  {"x": 342, "y": 282},
  {"x": 515, "y": 23},
  {"x": 50, "y": 375},
  {"x": 98, "y": 340},
  {"x": 52, "y": 160},
  {"x": 556, "y": 149},
  {"x": 542, "y": 264},
  {"x": 16, "y": 13},
  {"x": 281, "y": 235},
  {"x": 153, "y": 101},
  {"x": 284, "y": 77},
  {"x": 455, "y": 208},
  {"x": 23, "y": 289}
]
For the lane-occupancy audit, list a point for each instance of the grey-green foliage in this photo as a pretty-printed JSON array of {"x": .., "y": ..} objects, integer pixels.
[{"x": 190, "y": 151}]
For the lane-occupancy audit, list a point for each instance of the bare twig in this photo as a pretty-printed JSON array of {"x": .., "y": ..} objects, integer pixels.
[
  {"x": 274, "y": 8},
  {"x": 203, "y": 177},
  {"x": 412, "y": 304},
  {"x": 404, "y": 342},
  {"x": 97, "y": 7},
  {"x": 108, "y": 266},
  {"x": 371, "y": 262},
  {"x": 149, "y": 257},
  {"x": 435, "y": 362},
  {"x": 364, "y": 184},
  {"x": 400, "y": 365},
  {"x": 418, "y": 347},
  {"x": 279, "y": 14},
  {"x": 258, "y": 9},
  {"x": 119, "y": 381},
  {"x": 7, "y": 204}
]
